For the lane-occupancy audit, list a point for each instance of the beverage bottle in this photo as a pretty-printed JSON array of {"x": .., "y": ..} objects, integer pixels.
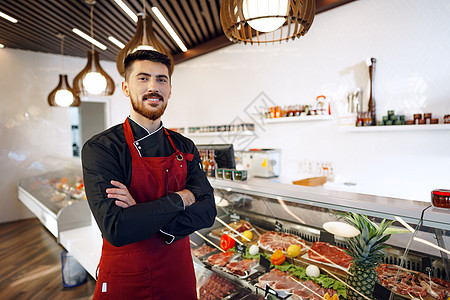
[
  {"x": 205, "y": 161},
  {"x": 212, "y": 166}
]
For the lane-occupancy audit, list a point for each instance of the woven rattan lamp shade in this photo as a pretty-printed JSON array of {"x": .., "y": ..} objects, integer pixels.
[
  {"x": 236, "y": 20},
  {"x": 143, "y": 36}
]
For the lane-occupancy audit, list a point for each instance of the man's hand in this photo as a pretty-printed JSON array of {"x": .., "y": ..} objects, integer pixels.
[
  {"x": 187, "y": 196},
  {"x": 121, "y": 194}
]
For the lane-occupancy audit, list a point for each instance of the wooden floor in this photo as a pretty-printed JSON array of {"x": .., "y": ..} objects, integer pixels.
[{"x": 30, "y": 264}]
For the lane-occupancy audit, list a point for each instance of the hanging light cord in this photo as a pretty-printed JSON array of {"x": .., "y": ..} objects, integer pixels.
[
  {"x": 92, "y": 25},
  {"x": 62, "y": 53}
]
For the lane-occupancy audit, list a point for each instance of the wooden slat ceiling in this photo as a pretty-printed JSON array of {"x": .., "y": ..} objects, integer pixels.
[{"x": 195, "y": 21}]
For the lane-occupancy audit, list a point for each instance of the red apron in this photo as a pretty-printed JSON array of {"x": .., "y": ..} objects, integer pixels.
[{"x": 149, "y": 269}]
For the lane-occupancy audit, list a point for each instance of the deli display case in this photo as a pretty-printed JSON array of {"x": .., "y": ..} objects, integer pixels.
[
  {"x": 53, "y": 191},
  {"x": 414, "y": 264}
]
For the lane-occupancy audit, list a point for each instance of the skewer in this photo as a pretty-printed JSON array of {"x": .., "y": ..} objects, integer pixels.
[
  {"x": 365, "y": 297},
  {"x": 291, "y": 277},
  {"x": 206, "y": 239},
  {"x": 235, "y": 231},
  {"x": 193, "y": 243},
  {"x": 235, "y": 239}
]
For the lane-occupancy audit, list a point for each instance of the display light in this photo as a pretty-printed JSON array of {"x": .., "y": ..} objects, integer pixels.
[
  {"x": 143, "y": 39},
  {"x": 93, "y": 80},
  {"x": 63, "y": 95},
  {"x": 266, "y": 21}
]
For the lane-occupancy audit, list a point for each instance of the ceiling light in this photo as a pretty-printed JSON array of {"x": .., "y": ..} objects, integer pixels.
[
  {"x": 143, "y": 38},
  {"x": 9, "y": 18},
  {"x": 169, "y": 28},
  {"x": 89, "y": 39},
  {"x": 258, "y": 10},
  {"x": 63, "y": 95},
  {"x": 127, "y": 10},
  {"x": 116, "y": 42},
  {"x": 261, "y": 21},
  {"x": 93, "y": 80},
  {"x": 2, "y": 46}
]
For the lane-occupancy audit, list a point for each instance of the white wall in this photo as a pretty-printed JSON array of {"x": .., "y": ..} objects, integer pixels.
[
  {"x": 29, "y": 128},
  {"x": 410, "y": 40}
]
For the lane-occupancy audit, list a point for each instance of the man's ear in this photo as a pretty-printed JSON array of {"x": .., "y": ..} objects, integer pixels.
[{"x": 125, "y": 89}]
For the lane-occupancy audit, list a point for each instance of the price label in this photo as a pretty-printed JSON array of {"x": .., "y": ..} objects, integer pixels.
[
  {"x": 270, "y": 291},
  {"x": 278, "y": 227},
  {"x": 326, "y": 237},
  {"x": 264, "y": 264},
  {"x": 240, "y": 248},
  {"x": 426, "y": 265},
  {"x": 234, "y": 217},
  {"x": 380, "y": 292}
]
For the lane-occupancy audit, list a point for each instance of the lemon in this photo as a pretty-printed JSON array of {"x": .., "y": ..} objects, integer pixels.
[
  {"x": 293, "y": 250},
  {"x": 247, "y": 234}
]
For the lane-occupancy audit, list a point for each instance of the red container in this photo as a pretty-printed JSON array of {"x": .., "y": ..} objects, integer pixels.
[{"x": 440, "y": 198}]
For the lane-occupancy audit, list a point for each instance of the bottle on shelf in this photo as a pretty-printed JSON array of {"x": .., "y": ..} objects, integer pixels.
[
  {"x": 212, "y": 165},
  {"x": 205, "y": 161}
]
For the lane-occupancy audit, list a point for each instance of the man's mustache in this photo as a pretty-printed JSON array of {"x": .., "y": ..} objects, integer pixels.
[{"x": 152, "y": 95}]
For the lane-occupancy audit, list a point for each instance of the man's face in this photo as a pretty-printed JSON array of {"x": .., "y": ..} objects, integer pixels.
[{"x": 149, "y": 88}]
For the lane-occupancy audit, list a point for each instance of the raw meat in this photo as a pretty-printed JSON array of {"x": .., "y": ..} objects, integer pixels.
[
  {"x": 271, "y": 277},
  {"x": 240, "y": 267},
  {"x": 220, "y": 259},
  {"x": 412, "y": 282},
  {"x": 203, "y": 250},
  {"x": 328, "y": 253},
  {"x": 282, "y": 282},
  {"x": 272, "y": 241},
  {"x": 241, "y": 226},
  {"x": 216, "y": 287}
]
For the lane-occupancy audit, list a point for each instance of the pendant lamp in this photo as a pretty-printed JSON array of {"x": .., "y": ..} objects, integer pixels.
[
  {"x": 93, "y": 80},
  {"x": 63, "y": 95},
  {"x": 144, "y": 38},
  {"x": 266, "y": 21}
]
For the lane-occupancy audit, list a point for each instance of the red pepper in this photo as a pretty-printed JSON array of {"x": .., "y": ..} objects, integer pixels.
[{"x": 226, "y": 242}]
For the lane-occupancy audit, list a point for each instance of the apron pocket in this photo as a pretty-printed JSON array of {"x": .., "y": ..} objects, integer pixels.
[{"x": 127, "y": 286}]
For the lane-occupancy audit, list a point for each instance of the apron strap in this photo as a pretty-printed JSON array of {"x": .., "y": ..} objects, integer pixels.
[
  {"x": 130, "y": 139},
  {"x": 188, "y": 156}
]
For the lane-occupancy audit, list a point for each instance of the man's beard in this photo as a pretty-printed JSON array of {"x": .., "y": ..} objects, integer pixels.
[{"x": 139, "y": 107}]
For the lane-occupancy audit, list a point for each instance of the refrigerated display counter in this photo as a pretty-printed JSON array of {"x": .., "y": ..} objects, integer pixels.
[{"x": 54, "y": 192}]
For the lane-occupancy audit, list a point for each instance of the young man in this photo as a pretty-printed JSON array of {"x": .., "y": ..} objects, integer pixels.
[{"x": 147, "y": 191}]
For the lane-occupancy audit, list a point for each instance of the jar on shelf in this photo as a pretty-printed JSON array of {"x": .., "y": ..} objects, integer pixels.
[{"x": 440, "y": 198}]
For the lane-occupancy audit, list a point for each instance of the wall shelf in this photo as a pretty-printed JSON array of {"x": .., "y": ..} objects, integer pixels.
[
  {"x": 395, "y": 128},
  {"x": 298, "y": 119},
  {"x": 221, "y": 133}
]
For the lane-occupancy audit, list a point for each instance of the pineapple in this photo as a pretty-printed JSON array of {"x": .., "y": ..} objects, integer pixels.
[{"x": 366, "y": 249}]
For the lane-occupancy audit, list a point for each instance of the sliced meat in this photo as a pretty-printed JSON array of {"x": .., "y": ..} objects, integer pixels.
[
  {"x": 270, "y": 278},
  {"x": 328, "y": 253},
  {"x": 201, "y": 251},
  {"x": 272, "y": 241},
  {"x": 240, "y": 267},
  {"x": 220, "y": 259},
  {"x": 284, "y": 284}
]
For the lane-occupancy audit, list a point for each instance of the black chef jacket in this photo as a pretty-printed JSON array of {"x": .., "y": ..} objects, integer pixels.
[{"x": 106, "y": 157}]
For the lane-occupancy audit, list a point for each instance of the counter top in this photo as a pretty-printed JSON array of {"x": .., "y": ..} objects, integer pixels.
[{"x": 383, "y": 207}]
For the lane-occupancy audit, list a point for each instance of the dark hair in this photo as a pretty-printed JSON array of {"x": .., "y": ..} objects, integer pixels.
[{"x": 150, "y": 55}]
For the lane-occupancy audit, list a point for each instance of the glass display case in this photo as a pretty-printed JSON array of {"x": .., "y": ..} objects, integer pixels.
[
  {"x": 415, "y": 263},
  {"x": 53, "y": 190}
]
